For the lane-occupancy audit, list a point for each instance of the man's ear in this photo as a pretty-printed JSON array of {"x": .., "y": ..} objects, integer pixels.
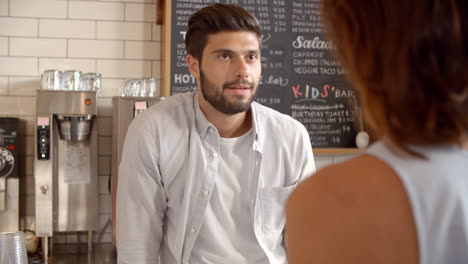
[{"x": 193, "y": 66}]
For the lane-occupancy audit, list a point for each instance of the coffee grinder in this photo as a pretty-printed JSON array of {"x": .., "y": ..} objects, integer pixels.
[{"x": 9, "y": 180}]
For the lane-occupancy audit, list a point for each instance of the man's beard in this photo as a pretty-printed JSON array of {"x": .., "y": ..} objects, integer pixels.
[{"x": 220, "y": 102}]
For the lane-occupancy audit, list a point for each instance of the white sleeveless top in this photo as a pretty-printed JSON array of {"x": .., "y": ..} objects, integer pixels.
[{"x": 438, "y": 192}]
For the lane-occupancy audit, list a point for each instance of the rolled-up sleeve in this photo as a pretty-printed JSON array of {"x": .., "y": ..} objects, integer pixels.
[{"x": 141, "y": 200}]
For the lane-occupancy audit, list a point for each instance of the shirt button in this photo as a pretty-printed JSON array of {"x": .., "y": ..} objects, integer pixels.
[
  {"x": 214, "y": 155},
  {"x": 193, "y": 230},
  {"x": 205, "y": 193}
]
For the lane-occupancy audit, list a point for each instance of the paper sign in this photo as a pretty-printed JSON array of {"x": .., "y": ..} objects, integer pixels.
[
  {"x": 42, "y": 121},
  {"x": 140, "y": 106}
]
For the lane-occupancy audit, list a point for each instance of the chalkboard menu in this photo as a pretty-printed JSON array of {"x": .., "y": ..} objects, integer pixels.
[{"x": 299, "y": 76}]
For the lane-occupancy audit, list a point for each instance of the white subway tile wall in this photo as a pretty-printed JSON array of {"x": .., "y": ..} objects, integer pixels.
[
  {"x": 102, "y": 49},
  {"x": 157, "y": 70},
  {"x": 18, "y": 66},
  {"x": 124, "y": 68},
  {"x": 70, "y": 29},
  {"x": 29, "y": 130},
  {"x": 140, "y": 12},
  {"x": 3, "y": 86},
  {"x": 27, "y": 185},
  {"x": 17, "y": 105},
  {"x": 123, "y": 30},
  {"x": 147, "y": 50},
  {"x": 105, "y": 146},
  {"x": 71, "y": 238},
  {"x": 108, "y": 86},
  {"x": 105, "y": 203},
  {"x": 131, "y": 1},
  {"x": 104, "y": 126},
  {"x": 24, "y": 86},
  {"x": 60, "y": 239},
  {"x": 28, "y": 164},
  {"x": 18, "y": 27},
  {"x": 103, "y": 185},
  {"x": 27, "y": 204},
  {"x": 43, "y": 8},
  {"x": 3, "y": 46},
  {"x": 104, "y": 106},
  {"x": 104, "y": 224},
  {"x": 117, "y": 38},
  {"x": 4, "y": 7},
  {"x": 38, "y": 47},
  {"x": 104, "y": 165},
  {"x": 95, "y": 10},
  {"x": 84, "y": 65},
  {"x": 29, "y": 145},
  {"x": 156, "y": 32}
]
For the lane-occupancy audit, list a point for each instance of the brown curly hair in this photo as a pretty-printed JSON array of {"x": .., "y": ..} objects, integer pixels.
[{"x": 409, "y": 62}]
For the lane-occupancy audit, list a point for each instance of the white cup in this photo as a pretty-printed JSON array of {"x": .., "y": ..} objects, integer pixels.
[
  {"x": 140, "y": 88},
  {"x": 127, "y": 88},
  {"x": 71, "y": 80},
  {"x": 90, "y": 81},
  {"x": 13, "y": 248},
  {"x": 149, "y": 88},
  {"x": 50, "y": 80}
]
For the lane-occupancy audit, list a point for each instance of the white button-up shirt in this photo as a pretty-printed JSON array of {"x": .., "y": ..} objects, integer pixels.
[{"x": 168, "y": 170}]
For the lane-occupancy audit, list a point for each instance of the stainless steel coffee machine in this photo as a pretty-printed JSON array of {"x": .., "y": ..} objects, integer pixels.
[
  {"x": 66, "y": 163},
  {"x": 9, "y": 181},
  {"x": 124, "y": 109}
]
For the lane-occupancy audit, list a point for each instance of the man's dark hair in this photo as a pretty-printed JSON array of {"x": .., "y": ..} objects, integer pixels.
[{"x": 214, "y": 19}]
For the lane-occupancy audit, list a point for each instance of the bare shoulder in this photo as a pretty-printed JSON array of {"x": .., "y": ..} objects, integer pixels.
[
  {"x": 352, "y": 212},
  {"x": 356, "y": 177}
]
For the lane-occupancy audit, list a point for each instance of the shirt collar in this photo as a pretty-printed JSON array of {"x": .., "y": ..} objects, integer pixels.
[
  {"x": 200, "y": 119},
  {"x": 203, "y": 125},
  {"x": 255, "y": 121}
]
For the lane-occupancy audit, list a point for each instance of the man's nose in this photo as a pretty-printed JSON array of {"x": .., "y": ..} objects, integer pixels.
[{"x": 242, "y": 70}]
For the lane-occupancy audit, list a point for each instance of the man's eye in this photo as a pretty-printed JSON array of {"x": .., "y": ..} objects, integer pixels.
[
  {"x": 225, "y": 56},
  {"x": 253, "y": 57}
]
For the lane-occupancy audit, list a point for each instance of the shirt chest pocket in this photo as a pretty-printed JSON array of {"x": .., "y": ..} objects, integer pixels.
[{"x": 272, "y": 201}]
